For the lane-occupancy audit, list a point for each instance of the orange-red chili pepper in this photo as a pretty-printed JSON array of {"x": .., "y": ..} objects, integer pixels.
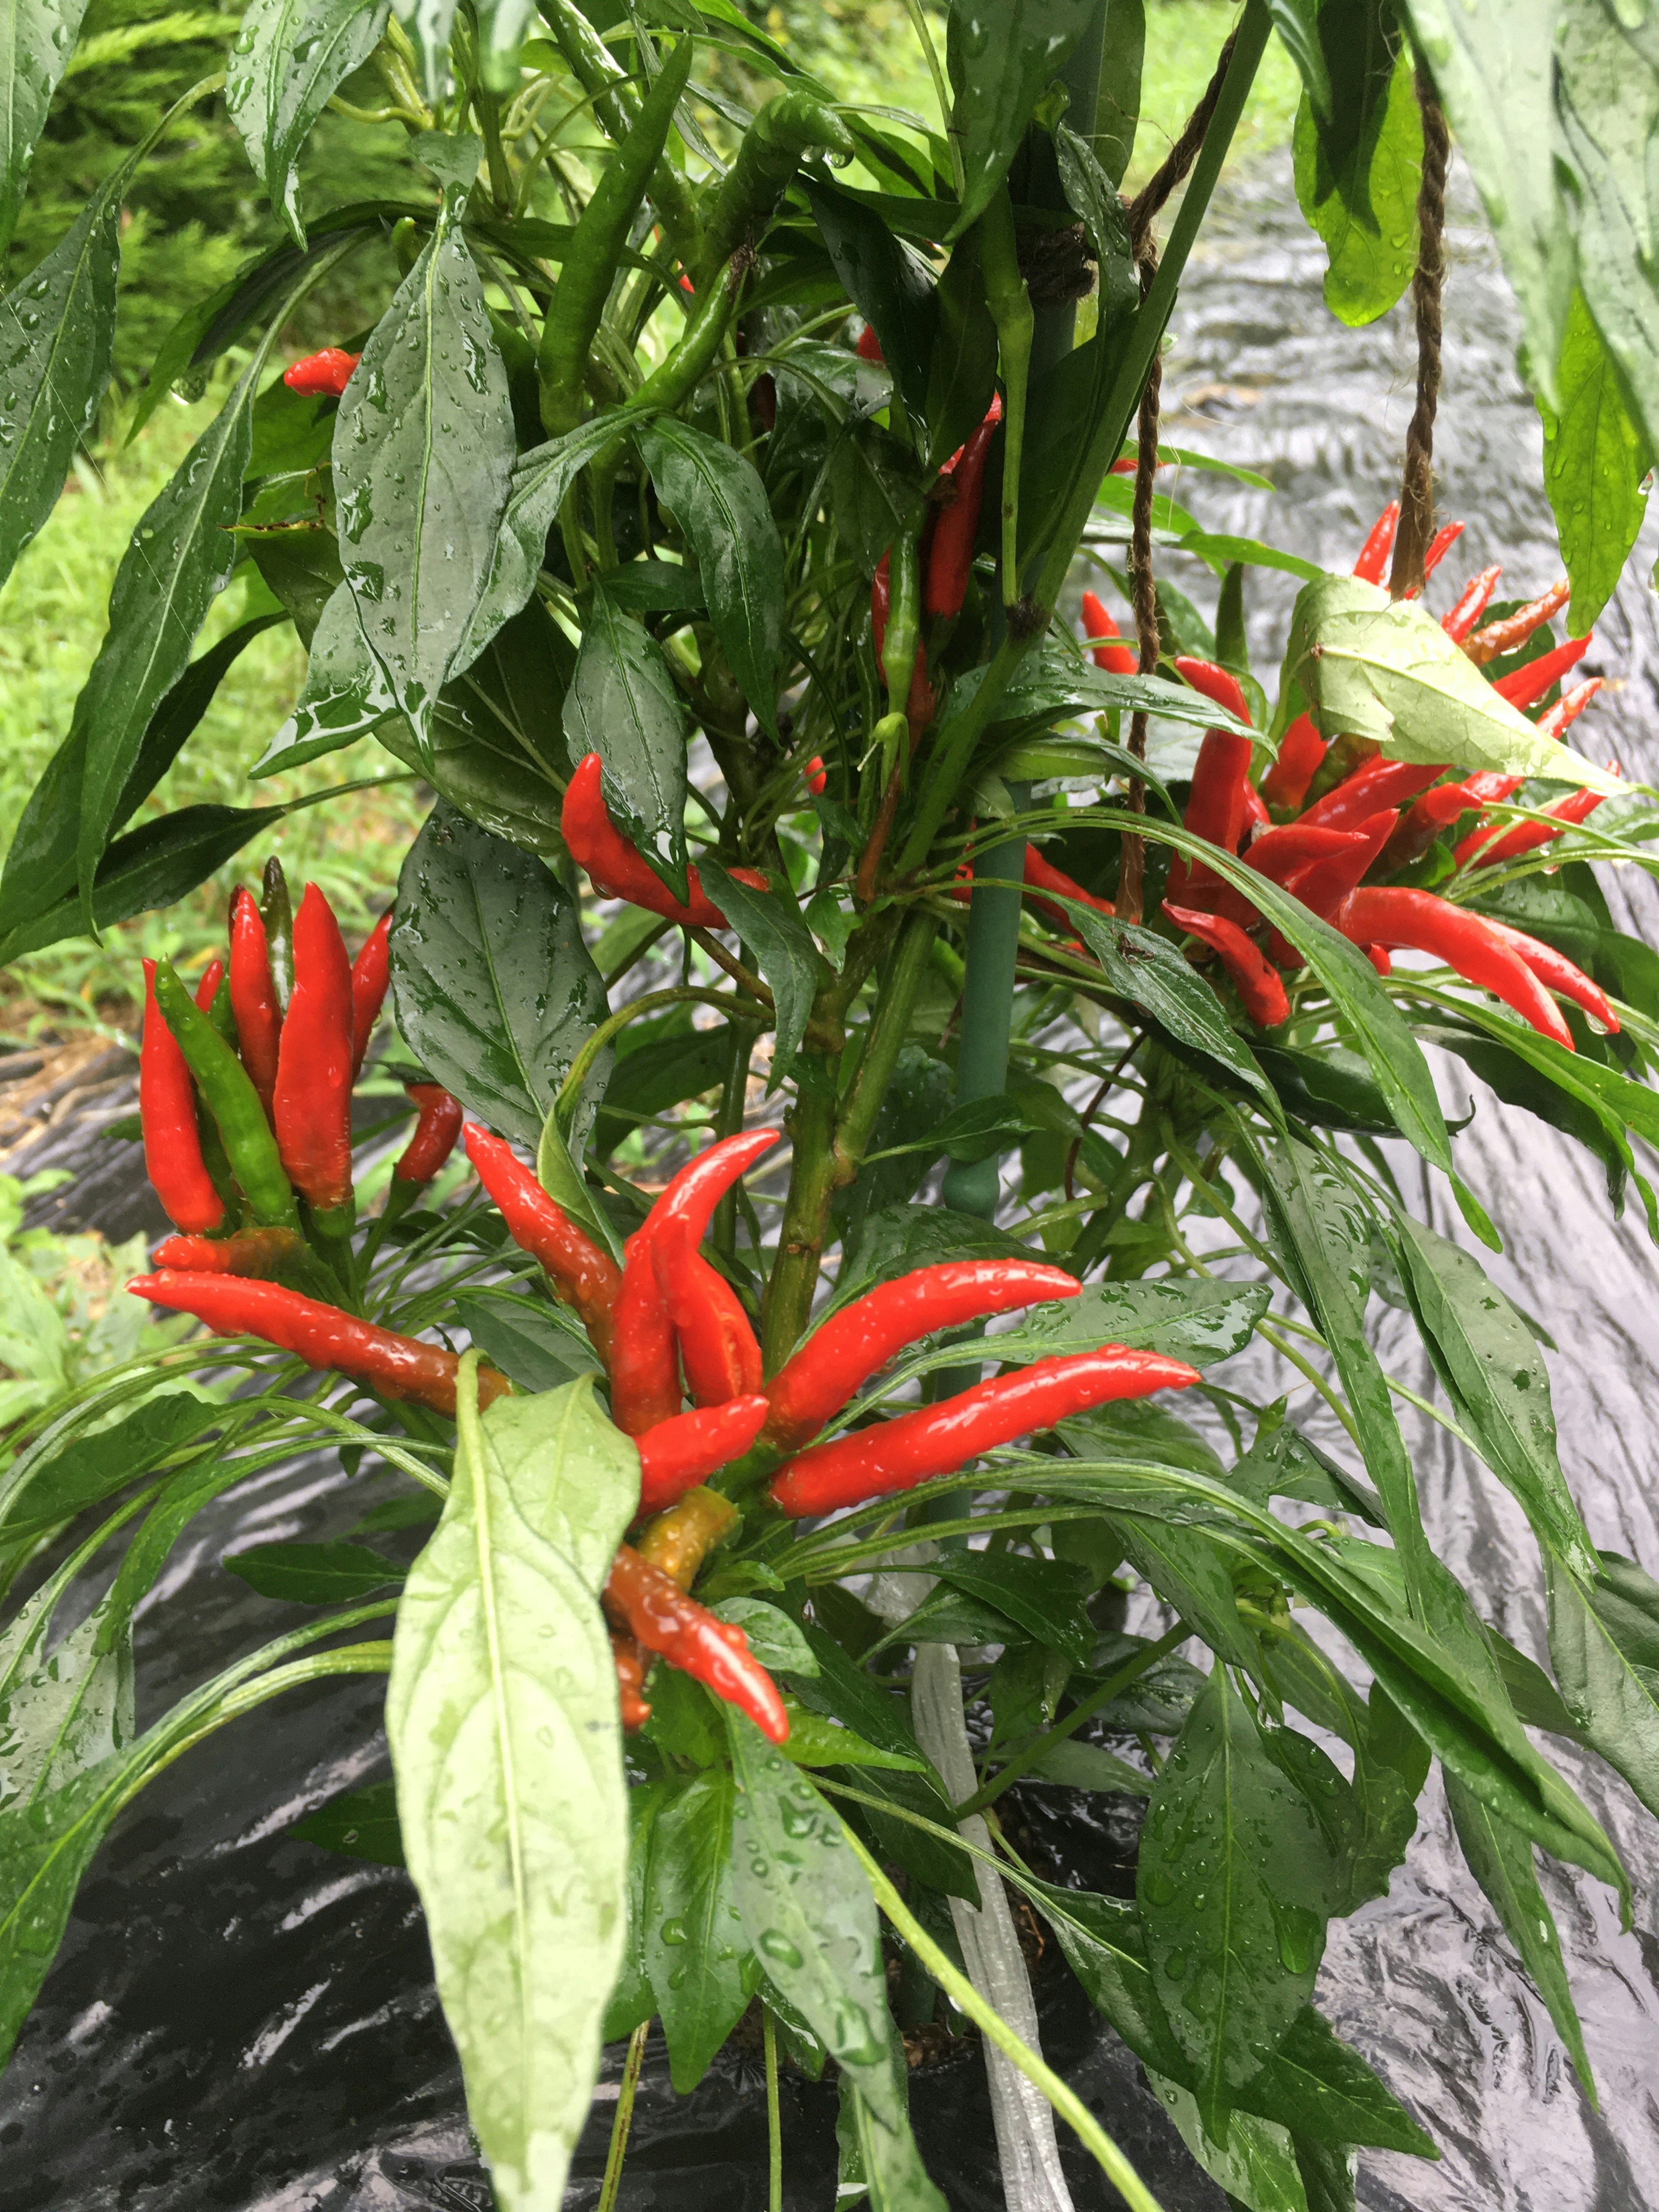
[
  {"x": 657, "y": 1612},
  {"x": 322, "y": 1335},
  {"x": 1377, "y": 783},
  {"x": 371, "y": 972},
  {"x": 1374, "y": 553},
  {"x": 1216, "y": 684},
  {"x": 645, "y": 1376},
  {"x": 253, "y": 996},
  {"x": 1042, "y": 875},
  {"x": 1097, "y": 622},
  {"x": 951, "y": 553},
  {"x": 1534, "y": 677},
  {"x": 1323, "y": 884},
  {"x": 1488, "y": 845},
  {"x": 615, "y": 869},
  {"x": 716, "y": 1343},
  {"x": 1465, "y": 941},
  {"x": 1471, "y": 603},
  {"x": 1555, "y": 969},
  {"x": 1439, "y": 545},
  {"x": 629, "y": 1662},
  {"x": 869, "y": 346},
  {"x": 896, "y": 1455},
  {"x": 436, "y": 1131},
  {"x": 1260, "y": 987},
  {"x": 676, "y": 1454},
  {"x": 166, "y": 1112},
  {"x": 311, "y": 1106},
  {"x": 1511, "y": 631},
  {"x": 822, "y": 1374},
  {"x": 322, "y": 376},
  {"x": 582, "y": 1275},
  {"x": 257, "y": 1252}
]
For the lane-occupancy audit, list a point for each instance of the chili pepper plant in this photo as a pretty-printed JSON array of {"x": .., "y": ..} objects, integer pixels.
[{"x": 884, "y": 1033}]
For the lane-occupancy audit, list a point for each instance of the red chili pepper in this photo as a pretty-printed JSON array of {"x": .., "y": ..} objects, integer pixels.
[
  {"x": 629, "y": 1662},
  {"x": 581, "y": 1274},
  {"x": 323, "y": 1336},
  {"x": 1557, "y": 972},
  {"x": 371, "y": 972},
  {"x": 1116, "y": 659},
  {"x": 1219, "y": 684},
  {"x": 1509, "y": 632},
  {"x": 1423, "y": 923},
  {"x": 717, "y": 1345},
  {"x": 1278, "y": 854},
  {"x": 1323, "y": 884},
  {"x": 1374, "y": 553},
  {"x": 1042, "y": 875},
  {"x": 938, "y": 1439},
  {"x": 436, "y": 1132},
  {"x": 1471, "y": 603},
  {"x": 322, "y": 376},
  {"x": 1300, "y": 751},
  {"x": 1256, "y": 816},
  {"x": 645, "y": 1373},
  {"x": 212, "y": 976},
  {"x": 678, "y": 1453},
  {"x": 253, "y": 997},
  {"x": 258, "y": 1252},
  {"x": 951, "y": 554},
  {"x": 1534, "y": 677},
  {"x": 659, "y": 1615},
  {"x": 1556, "y": 720},
  {"x": 1260, "y": 987},
  {"x": 869, "y": 346},
  {"x": 822, "y": 1374},
  {"x": 1216, "y": 806},
  {"x": 167, "y": 1111},
  {"x": 615, "y": 869},
  {"x": 816, "y": 776},
  {"x": 1379, "y": 958},
  {"x": 1478, "y": 848},
  {"x": 311, "y": 1106},
  {"x": 1378, "y": 783},
  {"x": 1439, "y": 545}
]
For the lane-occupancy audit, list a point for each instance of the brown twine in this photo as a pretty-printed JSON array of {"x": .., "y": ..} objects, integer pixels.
[
  {"x": 1417, "y": 479},
  {"x": 1172, "y": 170}
]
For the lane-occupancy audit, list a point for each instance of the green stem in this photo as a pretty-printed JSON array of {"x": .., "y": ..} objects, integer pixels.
[
  {"x": 647, "y": 1003},
  {"x": 903, "y": 977},
  {"x": 773, "y": 2115},
  {"x": 941, "y": 89},
  {"x": 988, "y": 1009},
  {"x": 956, "y": 1985},
  {"x": 788, "y": 1301},
  {"x": 1010, "y": 303},
  {"x": 1019, "y": 1760},
  {"x": 627, "y": 2088}
]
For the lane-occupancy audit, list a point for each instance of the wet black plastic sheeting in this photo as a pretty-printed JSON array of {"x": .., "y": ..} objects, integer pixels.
[{"x": 243, "y": 2024}]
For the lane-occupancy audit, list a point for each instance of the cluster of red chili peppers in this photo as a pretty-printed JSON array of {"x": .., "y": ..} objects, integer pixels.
[{"x": 1325, "y": 817}]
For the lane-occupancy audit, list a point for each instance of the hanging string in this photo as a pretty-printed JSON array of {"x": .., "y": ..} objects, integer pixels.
[{"x": 1416, "y": 478}]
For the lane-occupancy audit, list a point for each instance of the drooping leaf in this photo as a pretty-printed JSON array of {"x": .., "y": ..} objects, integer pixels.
[
  {"x": 37, "y": 38},
  {"x": 1003, "y": 55},
  {"x": 770, "y": 924},
  {"x": 1184, "y": 1317},
  {"x": 1045, "y": 1596},
  {"x": 1149, "y": 971},
  {"x": 697, "y": 1956},
  {"x": 73, "y": 1464},
  {"x": 314, "y": 1574},
  {"x": 1251, "y": 2159},
  {"x": 621, "y": 704},
  {"x": 808, "y": 1911},
  {"x": 501, "y": 1713},
  {"x": 721, "y": 504},
  {"x": 1609, "y": 1680},
  {"x": 494, "y": 988},
  {"x": 1232, "y": 1883},
  {"x": 1595, "y": 459},
  {"x": 1358, "y": 166},
  {"x": 361, "y": 1824},
  {"x": 887, "y": 281},
  {"x": 1494, "y": 1373},
  {"x": 521, "y": 1336},
  {"x": 1298, "y": 25},
  {"x": 288, "y": 59},
  {"x": 423, "y": 451}
]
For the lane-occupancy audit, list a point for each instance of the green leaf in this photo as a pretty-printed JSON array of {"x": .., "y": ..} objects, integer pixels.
[
  {"x": 662, "y": 1074},
  {"x": 963, "y": 367},
  {"x": 1357, "y": 170},
  {"x": 494, "y": 988},
  {"x": 1329, "y": 1089},
  {"x": 1384, "y": 669},
  {"x": 1192, "y": 1317},
  {"x": 777, "y": 1641},
  {"x": 807, "y": 1910},
  {"x": 1500, "y": 1858},
  {"x": 1494, "y": 66},
  {"x": 523, "y": 1339},
  {"x": 720, "y": 505},
  {"x": 1298, "y": 26},
  {"x": 1188, "y": 1571},
  {"x": 814, "y": 1742},
  {"x": 887, "y": 281},
  {"x": 1494, "y": 1374},
  {"x": 314, "y": 1574},
  {"x": 1003, "y": 56},
  {"x": 37, "y": 38},
  {"x": 1253, "y": 2160},
  {"x": 770, "y": 924},
  {"x": 362, "y": 1823},
  {"x": 1231, "y": 1881},
  {"x": 1607, "y": 98},
  {"x": 623, "y": 705},
  {"x": 74, "y": 1463},
  {"x": 1076, "y": 1765},
  {"x": 889, "y": 2161},
  {"x": 288, "y": 59},
  {"x": 1595, "y": 459},
  {"x": 501, "y": 1713},
  {"x": 1608, "y": 1681},
  {"x": 1148, "y": 971},
  {"x": 698, "y": 1958},
  {"x": 424, "y": 451},
  {"x": 1043, "y": 1596}
]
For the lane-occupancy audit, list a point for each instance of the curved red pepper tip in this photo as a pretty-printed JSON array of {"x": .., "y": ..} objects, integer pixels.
[
  {"x": 1218, "y": 683},
  {"x": 322, "y": 376},
  {"x": 870, "y": 346}
]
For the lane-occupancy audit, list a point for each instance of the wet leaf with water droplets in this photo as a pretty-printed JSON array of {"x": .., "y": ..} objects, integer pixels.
[
  {"x": 37, "y": 38},
  {"x": 699, "y": 1958},
  {"x": 288, "y": 60},
  {"x": 507, "y": 1745}
]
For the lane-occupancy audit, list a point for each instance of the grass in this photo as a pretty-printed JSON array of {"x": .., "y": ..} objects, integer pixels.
[{"x": 52, "y": 608}]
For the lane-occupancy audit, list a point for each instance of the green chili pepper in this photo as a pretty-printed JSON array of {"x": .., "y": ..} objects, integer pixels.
[
  {"x": 227, "y": 1090},
  {"x": 1010, "y": 311},
  {"x": 697, "y": 351},
  {"x": 771, "y": 151},
  {"x": 277, "y": 912},
  {"x": 590, "y": 263},
  {"x": 898, "y": 654},
  {"x": 617, "y": 108},
  {"x": 219, "y": 1014}
]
